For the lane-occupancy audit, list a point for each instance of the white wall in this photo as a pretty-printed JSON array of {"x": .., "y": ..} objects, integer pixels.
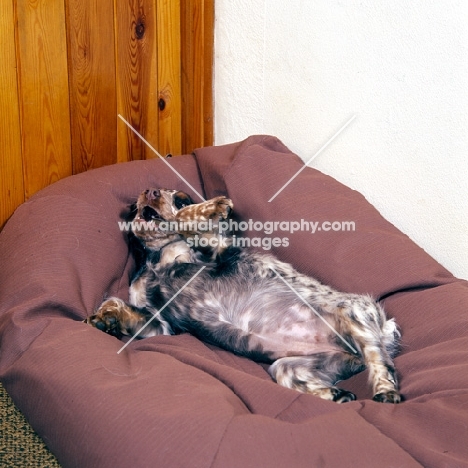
[{"x": 300, "y": 69}]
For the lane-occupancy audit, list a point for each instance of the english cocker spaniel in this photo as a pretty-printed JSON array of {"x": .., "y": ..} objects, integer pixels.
[{"x": 247, "y": 302}]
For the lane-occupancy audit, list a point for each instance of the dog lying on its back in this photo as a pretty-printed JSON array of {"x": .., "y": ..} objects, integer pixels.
[{"x": 249, "y": 303}]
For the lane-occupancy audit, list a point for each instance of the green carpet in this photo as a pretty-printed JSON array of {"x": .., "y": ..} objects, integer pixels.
[{"x": 19, "y": 444}]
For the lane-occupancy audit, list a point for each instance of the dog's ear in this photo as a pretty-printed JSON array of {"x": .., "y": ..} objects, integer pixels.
[
  {"x": 129, "y": 213},
  {"x": 181, "y": 199},
  {"x": 137, "y": 250}
]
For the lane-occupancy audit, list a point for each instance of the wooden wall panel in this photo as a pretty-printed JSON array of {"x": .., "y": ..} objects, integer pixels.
[
  {"x": 43, "y": 79},
  {"x": 137, "y": 84},
  {"x": 169, "y": 80},
  {"x": 90, "y": 31},
  {"x": 69, "y": 67},
  {"x": 11, "y": 165},
  {"x": 197, "y": 49}
]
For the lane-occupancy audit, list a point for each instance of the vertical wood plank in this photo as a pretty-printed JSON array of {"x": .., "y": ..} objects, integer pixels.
[
  {"x": 191, "y": 37},
  {"x": 169, "y": 79},
  {"x": 208, "y": 58},
  {"x": 43, "y": 81},
  {"x": 90, "y": 27},
  {"x": 11, "y": 167},
  {"x": 137, "y": 95},
  {"x": 197, "y": 37}
]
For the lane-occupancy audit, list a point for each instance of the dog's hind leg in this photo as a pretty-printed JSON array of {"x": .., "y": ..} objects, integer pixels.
[
  {"x": 376, "y": 338},
  {"x": 382, "y": 373},
  {"x": 317, "y": 374}
]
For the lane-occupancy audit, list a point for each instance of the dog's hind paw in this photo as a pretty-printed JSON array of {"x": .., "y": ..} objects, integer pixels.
[
  {"x": 343, "y": 396},
  {"x": 392, "y": 396}
]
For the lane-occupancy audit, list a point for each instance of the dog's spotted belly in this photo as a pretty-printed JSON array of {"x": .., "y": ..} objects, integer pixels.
[
  {"x": 298, "y": 332},
  {"x": 288, "y": 345}
]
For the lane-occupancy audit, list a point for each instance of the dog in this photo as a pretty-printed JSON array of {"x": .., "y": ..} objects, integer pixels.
[{"x": 249, "y": 303}]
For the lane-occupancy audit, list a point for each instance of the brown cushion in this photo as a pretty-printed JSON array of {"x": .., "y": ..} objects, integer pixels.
[{"x": 174, "y": 401}]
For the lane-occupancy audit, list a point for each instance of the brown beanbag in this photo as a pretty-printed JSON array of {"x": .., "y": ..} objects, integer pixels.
[{"x": 174, "y": 401}]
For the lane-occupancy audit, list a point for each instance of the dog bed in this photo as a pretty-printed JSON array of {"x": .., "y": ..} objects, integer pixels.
[{"x": 174, "y": 401}]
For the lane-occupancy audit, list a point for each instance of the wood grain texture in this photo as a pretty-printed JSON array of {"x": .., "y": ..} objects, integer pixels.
[
  {"x": 11, "y": 165},
  {"x": 169, "y": 79},
  {"x": 91, "y": 68},
  {"x": 137, "y": 95},
  {"x": 197, "y": 38},
  {"x": 69, "y": 67},
  {"x": 43, "y": 82}
]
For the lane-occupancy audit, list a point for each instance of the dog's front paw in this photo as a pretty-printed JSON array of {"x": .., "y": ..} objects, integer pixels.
[
  {"x": 108, "y": 317},
  {"x": 392, "y": 396},
  {"x": 221, "y": 208},
  {"x": 216, "y": 209}
]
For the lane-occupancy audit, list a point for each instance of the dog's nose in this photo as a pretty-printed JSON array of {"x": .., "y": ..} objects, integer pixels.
[{"x": 151, "y": 194}]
